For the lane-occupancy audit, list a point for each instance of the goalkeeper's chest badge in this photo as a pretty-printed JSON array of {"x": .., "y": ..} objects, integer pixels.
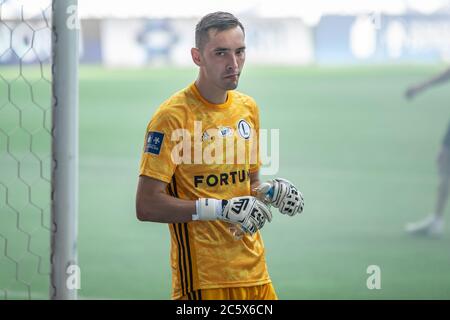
[{"x": 244, "y": 129}]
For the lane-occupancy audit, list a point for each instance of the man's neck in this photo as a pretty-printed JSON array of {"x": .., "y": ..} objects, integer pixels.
[{"x": 210, "y": 92}]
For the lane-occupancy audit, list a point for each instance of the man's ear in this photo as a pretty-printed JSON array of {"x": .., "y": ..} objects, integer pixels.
[{"x": 196, "y": 56}]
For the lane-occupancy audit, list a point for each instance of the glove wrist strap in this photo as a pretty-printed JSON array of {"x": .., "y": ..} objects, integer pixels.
[{"x": 207, "y": 209}]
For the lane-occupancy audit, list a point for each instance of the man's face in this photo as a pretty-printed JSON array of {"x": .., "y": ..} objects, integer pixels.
[{"x": 223, "y": 57}]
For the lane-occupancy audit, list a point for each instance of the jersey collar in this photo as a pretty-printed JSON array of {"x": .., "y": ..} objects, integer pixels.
[{"x": 226, "y": 104}]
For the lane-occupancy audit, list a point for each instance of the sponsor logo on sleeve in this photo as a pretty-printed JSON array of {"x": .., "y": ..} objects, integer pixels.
[{"x": 154, "y": 142}]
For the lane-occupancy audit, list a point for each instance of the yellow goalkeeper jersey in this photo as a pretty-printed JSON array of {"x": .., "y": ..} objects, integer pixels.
[{"x": 204, "y": 150}]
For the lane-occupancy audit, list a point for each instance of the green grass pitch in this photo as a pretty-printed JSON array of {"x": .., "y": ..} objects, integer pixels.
[{"x": 363, "y": 157}]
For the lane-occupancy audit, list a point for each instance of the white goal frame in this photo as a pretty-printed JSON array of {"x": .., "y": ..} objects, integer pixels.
[{"x": 64, "y": 194}]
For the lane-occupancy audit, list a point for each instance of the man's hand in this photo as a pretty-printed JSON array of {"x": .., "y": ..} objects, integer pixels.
[
  {"x": 249, "y": 213},
  {"x": 281, "y": 194},
  {"x": 412, "y": 91},
  {"x": 442, "y": 77}
]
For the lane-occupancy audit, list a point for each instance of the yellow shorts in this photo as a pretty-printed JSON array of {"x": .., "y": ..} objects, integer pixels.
[{"x": 262, "y": 292}]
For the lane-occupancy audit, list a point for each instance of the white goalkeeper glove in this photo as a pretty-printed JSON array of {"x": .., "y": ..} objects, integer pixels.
[
  {"x": 249, "y": 213},
  {"x": 281, "y": 194}
]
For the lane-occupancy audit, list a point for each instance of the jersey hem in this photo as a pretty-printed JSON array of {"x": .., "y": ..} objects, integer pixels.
[{"x": 227, "y": 285}]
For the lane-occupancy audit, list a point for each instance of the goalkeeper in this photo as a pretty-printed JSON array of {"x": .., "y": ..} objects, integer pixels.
[{"x": 201, "y": 202}]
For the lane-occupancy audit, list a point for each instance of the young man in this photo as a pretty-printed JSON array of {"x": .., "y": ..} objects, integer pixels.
[
  {"x": 203, "y": 201},
  {"x": 433, "y": 224}
]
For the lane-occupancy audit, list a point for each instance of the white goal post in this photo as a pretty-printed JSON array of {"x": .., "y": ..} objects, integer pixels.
[{"x": 64, "y": 194}]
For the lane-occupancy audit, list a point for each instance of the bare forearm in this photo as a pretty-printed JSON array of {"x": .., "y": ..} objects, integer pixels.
[
  {"x": 167, "y": 209},
  {"x": 164, "y": 208},
  {"x": 153, "y": 204}
]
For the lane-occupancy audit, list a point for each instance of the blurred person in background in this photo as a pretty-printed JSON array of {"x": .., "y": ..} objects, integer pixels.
[{"x": 433, "y": 224}]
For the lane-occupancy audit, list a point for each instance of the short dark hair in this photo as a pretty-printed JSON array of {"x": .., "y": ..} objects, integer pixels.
[{"x": 217, "y": 20}]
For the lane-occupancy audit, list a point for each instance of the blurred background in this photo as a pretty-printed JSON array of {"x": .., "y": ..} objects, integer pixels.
[{"x": 331, "y": 75}]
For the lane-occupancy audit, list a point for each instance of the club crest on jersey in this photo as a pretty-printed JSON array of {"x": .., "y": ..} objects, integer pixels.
[
  {"x": 154, "y": 142},
  {"x": 244, "y": 129}
]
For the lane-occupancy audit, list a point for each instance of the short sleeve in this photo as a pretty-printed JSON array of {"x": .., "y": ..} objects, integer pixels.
[{"x": 156, "y": 160}]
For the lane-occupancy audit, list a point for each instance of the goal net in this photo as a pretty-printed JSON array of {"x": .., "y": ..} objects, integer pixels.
[{"x": 34, "y": 254}]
